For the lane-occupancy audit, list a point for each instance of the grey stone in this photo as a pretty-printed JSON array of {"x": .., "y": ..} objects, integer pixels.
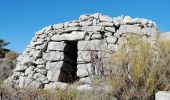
[
  {"x": 105, "y": 18},
  {"x": 53, "y": 74},
  {"x": 111, "y": 39},
  {"x": 85, "y": 87},
  {"x": 40, "y": 62},
  {"x": 89, "y": 45},
  {"x": 127, "y": 20},
  {"x": 129, "y": 29},
  {"x": 162, "y": 95},
  {"x": 83, "y": 56},
  {"x": 107, "y": 34},
  {"x": 96, "y": 15},
  {"x": 70, "y": 29},
  {"x": 149, "y": 31},
  {"x": 84, "y": 70},
  {"x": 86, "y": 80},
  {"x": 106, "y": 24},
  {"x": 110, "y": 29},
  {"x": 55, "y": 85},
  {"x": 41, "y": 66},
  {"x": 59, "y": 46},
  {"x": 73, "y": 24},
  {"x": 86, "y": 23},
  {"x": 76, "y": 35},
  {"x": 51, "y": 65},
  {"x": 29, "y": 70},
  {"x": 96, "y": 36},
  {"x": 84, "y": 17},
  {"x": 58, "y": 26},
  {"x": 20, "y": 67},
  {"x": 53, "y": 56},
  {"x": 91, "y": 28}
]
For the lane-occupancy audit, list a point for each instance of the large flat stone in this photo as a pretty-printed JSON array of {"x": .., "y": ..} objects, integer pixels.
[
  {"x": 92, "y": 28},
  {"x": 53, "y": 74},
  {"x": 53, "y": 56},
  {"x": 51, "y": 65},
  {"x": 59, "y": 46},
  {"x": 89, "y": 45},
  {"x": 84, "y": 70},
  {"x": 75, "y": 35},
  {"x": 129, "y": 29}
]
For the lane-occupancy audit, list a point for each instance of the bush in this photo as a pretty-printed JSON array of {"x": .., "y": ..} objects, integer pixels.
[
  {"x": 11, "y": 55},
  {"x": 141, "y": 68}
]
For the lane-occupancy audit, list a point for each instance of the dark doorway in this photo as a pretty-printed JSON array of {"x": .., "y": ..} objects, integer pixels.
[{"x": 69, "y": 68}]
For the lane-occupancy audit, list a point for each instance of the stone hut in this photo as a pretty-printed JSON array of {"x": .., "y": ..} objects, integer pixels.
[{"x": 72, "y": 51}]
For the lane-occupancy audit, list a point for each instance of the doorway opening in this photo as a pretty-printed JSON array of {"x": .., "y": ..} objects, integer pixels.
[{"x": 68, "y": 73}]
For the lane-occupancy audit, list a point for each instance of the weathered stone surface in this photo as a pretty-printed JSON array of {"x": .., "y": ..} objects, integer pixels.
[
  {"x": 53, "y": 56},
  {"x": 129, "y": 29},
  {"x": 111, "y": 39},
  {"x": 51, "y": 65},
  {"x": 58, "y": 26},
  {"x": 53, "y": 74},
  {"x": 84, "y": 17},
  {"x": 106, "y": 24},
  {"x": 29, "y": 70},
  {"x": 76, "y": 35},
  {"x": 86, "y": 80},
  {"x": 96, "y": 36},
  {"x": 83, "y": 56},
  {"x": 86, "y": 23},
  {"x": 53, "y": 86},
  {"x": 92, "y": 28},
  {"x": 59, "y": 46},
  {"x": 110, "y": 29},
  {"x": 105, "y": 18},
  {"x": 84, "y": 87},
  {"x": 149, "y": 31},
  {"x": 89, "y": 45},
  {"x": 162, "y": 95},
  {"x": 127, "y": 20},
  {"x": 20, "y": 67},
  {"x": 40, "y": 62},
  {"x": 84, "y": 70}
]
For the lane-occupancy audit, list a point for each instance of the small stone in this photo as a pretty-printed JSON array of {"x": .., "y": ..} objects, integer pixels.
[
  {"x": 84, "y": 17},
  {"x": 127, "y": 20},
  {"x": 110, "y": 29},
  {"x": 106, "y": 24},
  {"x": 59, "y": 46},
  {"x": 96, "y": 36},
  {"x": 84, "y": 70},
  {"x": 51, "y": 65},
  {"x": 105, "y": 18},
  {"x": 111, "y": 39},
  {"x": 58, "y": 26},
  {"x": 92, "y": 28}
]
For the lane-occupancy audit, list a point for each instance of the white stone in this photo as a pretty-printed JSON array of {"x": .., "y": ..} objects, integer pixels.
[
  {"x": 55, "y": 85},
  {"x": 86, "y": 23},
  {"x": 105, "y": 24},
  {"x": 86, "y": 80},
  {"x": 40, "y": 62},
  {"x": 51, "y": 65},
  {"x": 84, "y": 70},
  {"x": 58, "y": 26},
  {"x": 129, "y": 29},
  {"x": 92, "y": 28},
  {"x": 73, "y": 24},
  {"x": 95, "y": 15},
  {"x": 75, "y": 35},
  {"x": 59, "y": 46},
  {"x": 89, "y": 45},
  {"x": 41, "y": 66},
  {"x": 105, "y": 18},
  {"x": 107, "y": 34},
  {"x": 20, "y": 67},
  {"x": 53, "y": 56},
  {"x": 84, "y": 17},
  {"x": 29, "y": 70},
  {"x": 162, "y": 95},
  {"x": 149, "y": 31},
  {"x": 111, "y": 39},
  {"x": 84, "y": 87},
  {"x": 127, "y": 20},
  {"x": 53, "y": 74},
  {"x": 110, "y": 29},
  {"x": 96, "y": 36},
  {"x": 83, "y": 56}
]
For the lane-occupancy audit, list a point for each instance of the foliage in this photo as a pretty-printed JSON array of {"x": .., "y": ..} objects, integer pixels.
[{"x": 3, "y": 51}]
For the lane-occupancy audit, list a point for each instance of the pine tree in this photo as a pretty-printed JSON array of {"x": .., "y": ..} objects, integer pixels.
[{"x": 3, "y": 50}]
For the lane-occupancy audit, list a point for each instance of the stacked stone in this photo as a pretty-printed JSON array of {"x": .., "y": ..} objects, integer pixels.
[{"x": 42, "y": 62}]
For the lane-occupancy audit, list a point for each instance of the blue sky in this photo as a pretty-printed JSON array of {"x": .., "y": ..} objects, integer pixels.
[{"x": 20, "y": 19}]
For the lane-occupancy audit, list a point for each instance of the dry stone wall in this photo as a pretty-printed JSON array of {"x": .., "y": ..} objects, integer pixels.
[{"x": 72, "y": 51}]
